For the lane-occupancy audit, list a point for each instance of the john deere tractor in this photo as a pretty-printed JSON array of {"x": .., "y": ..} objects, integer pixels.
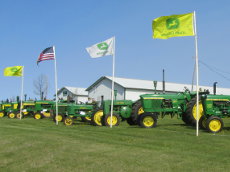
[
  {"x": 183, "y": 105},
  {"x": 215, "y": 107}
]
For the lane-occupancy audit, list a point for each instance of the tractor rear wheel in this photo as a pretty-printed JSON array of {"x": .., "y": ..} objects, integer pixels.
[
  {"x": 2, "y": 114},
  {"x": 86, "y": 119},
  {"x": 68, "y": 121},
  {"x": 214, "y": 124},
  {"x": 38, "y": 115},
  {"x": 11, "y": 115},
  {"x": 137, "y": 109},
  {"x": 185, "y": 118},
  {"x": 191, "y": 111},
  {"x": 96, "y": 118},
  {"x": 130, "y": 121},
  {"x": 18, "y": 115},
  {"x": 202, "y": 122},
  {"x": 147, "y": 120},
  {"x": 115, "y": 120}
]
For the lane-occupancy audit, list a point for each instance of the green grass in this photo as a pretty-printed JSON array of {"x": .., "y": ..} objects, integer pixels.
[{"x": 40, "y": 145}]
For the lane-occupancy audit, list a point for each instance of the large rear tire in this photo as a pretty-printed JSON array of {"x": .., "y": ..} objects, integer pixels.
[
  {"x": 96, "y": 118},
  {"x": 214, "y": 124},
  {"x": 147, "y": 120},
  {"x": 137, "y": 109},
  {"x": 191, "y": 111}
]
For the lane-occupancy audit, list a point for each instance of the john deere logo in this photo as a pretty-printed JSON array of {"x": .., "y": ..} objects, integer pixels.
[
  {"x": 172, "y": 23},
  {"x": 14, "y": 69},
  {"x": 103, "y": 46}
]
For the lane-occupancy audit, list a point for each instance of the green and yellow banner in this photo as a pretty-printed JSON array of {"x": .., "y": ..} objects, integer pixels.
[
  {"x": 13, "y": 71},
  {"x": 173, "y": 26}
]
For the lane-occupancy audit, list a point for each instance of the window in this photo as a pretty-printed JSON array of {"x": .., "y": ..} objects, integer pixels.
[{"x": 64, "y": 93}]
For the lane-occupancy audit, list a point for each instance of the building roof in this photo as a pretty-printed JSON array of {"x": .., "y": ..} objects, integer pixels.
[
  {"x": 148, "y": 85},
  {"x": 75, "y": 91}
]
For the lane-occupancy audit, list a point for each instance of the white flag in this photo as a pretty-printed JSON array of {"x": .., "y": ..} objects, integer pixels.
[{"x": 101, "y": 49}]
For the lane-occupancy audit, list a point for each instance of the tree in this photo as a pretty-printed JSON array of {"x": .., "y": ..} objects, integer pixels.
[{"x": 41, "y": 86}]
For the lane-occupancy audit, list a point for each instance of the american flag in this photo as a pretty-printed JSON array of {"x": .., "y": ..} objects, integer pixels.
[{"x": 47, "y": 54}]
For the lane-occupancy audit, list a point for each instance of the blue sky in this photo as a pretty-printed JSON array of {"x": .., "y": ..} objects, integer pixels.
[{"x": 28, "y": 27}]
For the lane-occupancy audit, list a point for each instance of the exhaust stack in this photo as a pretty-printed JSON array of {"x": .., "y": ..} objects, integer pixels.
[{"x": 214, "y": 88}]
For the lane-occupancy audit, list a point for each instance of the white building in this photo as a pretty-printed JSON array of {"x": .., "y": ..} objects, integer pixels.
[
  {"x": 73, "y": 93},
  {"x": 131, "y": 89}
]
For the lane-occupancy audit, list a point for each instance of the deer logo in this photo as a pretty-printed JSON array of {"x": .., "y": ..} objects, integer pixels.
[{"x": 172, "y": 23}]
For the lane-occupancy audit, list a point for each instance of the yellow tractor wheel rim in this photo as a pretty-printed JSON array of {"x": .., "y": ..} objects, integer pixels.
[
  {"x": 58, "y": 118},
  {"x": 46, "y": 114},
  {"x": 88, "y": 118},
  {"x": 68, "y": 121},
  {"x": 26, "y": 113},
  {"x": 12, "y": 115},
  {"x": 140, "y": 110},
  {"x": 114, "y": 120},
  {"x": 37, "y": 116},
  {"x": 1, "y": 114},
  {"x": 215, "y": 125},
  {"x": 200, "y": 109},
  {"x": 148, "y": 121},
  {"x": 18, "y": 115},
  {"x": 97, "y": 117}
]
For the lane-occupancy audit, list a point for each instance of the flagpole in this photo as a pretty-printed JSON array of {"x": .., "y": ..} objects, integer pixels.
[
  {"x": 22, "y": 85},
  {"x": 197, "y": 78},
  {"x": 55, "y": 71},
  {"x": 111, "y": 113}
]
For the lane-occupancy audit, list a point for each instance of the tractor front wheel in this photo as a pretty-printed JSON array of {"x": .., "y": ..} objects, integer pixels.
[
  {"x": 38, "y": 115},
  {"x": 2, "y": 114},
  {"x": 58, "y": 118},
  {"x": 11, "y": 115},
  {"x": 68, "y": 121},
  {"x": 214, "y": 124},
  {"x": 97, "y": 117},
  {"x": 115, "y": 120},
  {"x": 19, "y": 116},
  {"x": 147, "y": 120}
]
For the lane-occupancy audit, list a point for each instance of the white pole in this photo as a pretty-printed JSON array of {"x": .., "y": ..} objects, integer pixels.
[
  {"x": 197, "y": 79},
  {"x": 111, "y": 113},
  {"x": 22, "y": 92},
  {"x": 55, "y": 71}
]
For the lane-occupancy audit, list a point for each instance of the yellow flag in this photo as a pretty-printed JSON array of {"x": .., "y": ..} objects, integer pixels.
[
  {"x": 173, "y": 26},
  {"x": 13, "y": 71}
]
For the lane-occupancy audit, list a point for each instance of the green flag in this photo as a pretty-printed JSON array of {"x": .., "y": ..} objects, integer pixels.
[{"x": 173, "y": 26}]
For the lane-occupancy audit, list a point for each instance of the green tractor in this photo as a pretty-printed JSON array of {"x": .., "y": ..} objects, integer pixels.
[
  {"x": 42, "y": 109},
  {"x": 4, "y": 109},
  {"x": 183, "y": 105},
  {"x": 68, "y": 112},
  {"x": 122, "y": 110},
  {"x": 12, "y": 110},
  {"x": 215, "y": 107}
]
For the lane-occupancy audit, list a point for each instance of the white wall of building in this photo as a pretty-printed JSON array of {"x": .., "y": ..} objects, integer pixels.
[
  {"x": 103, "y": 88},
  {"x": 134, "y": 94}
]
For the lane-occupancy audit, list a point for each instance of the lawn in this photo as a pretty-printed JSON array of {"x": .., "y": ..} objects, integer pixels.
[{"x": 40, "y": 145}]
